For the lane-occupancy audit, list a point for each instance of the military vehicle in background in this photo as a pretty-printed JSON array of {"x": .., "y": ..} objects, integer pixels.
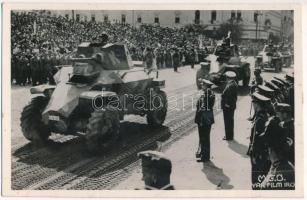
[
  {"x": 269, "y": 59},
  {"x": 286, "y": 55},
  {"x": 92, "y": 95},
  {"x": 226, "y": 57}
]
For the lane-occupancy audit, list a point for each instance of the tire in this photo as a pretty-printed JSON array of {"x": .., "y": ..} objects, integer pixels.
[
  {"x": 102, "y": 129},
  {"x": 158, "y": 110},
  {"x": 31, "y": 122}
]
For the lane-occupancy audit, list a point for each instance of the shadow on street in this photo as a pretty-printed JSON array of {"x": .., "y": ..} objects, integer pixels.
[
  {"x": 238, "y": 148},
  {"x": 216, "y": 176}
]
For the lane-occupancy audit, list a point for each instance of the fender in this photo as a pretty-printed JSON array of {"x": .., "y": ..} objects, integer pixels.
[
  {"x": 158, "y": 84},
  {"x": 47, "y": 90}
]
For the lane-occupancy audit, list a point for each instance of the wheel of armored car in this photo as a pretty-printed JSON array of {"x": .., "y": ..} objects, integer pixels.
[
  {"x": 102, "y": 129},
  {"x": 31, "y": 124},
  {"x": 158, "y": 109}
]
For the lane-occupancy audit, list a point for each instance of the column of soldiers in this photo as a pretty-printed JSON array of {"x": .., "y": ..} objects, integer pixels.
[
  {"x": 271, "y": 148},
  {"x": 35, "y": 68}
]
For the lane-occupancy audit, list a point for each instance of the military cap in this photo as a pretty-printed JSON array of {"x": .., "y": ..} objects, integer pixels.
[
  {"x": 265, "y": 91},
  {"x": 278, "y": 83},
  {"x": 272, "y": 86},
  {"x": 280, "y": 79},
  {"x": 230, "y": 74},
  {"x": 283, "y": 107},
  {"x": 155, "y": 161},
  {"x": 206, "y": 82},
  {"x": 290, "y": 77},
  {"x": 259, "y": 97}
]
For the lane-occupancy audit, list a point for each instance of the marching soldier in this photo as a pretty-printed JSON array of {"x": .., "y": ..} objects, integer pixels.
[
  {"x": 156, "y": 169},
  {"x": 192, "y": 57},
  {"x": 204, "y": 118},
  {"x": 228, "y": 103},
  {"x": 257, "y": 150}
]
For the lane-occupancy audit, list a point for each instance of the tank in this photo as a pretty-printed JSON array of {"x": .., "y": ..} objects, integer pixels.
[{"x": 93, "y": 95}]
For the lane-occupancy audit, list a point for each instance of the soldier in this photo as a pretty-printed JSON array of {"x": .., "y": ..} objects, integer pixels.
[
  {"x": 228, "y": 103},
  {"x": 281, "y": 175},
  {"x": 192, "y": 56},
  {"x": 202, "y": 73},
  {"x": 156, "y": 169},
  {"x": 258, "y": 80},
  {"x": 289, "y": 99},
  {"x": 176, "y": 60},
  {"x": 257, "y": 151},
  {"x": 204, "y": 118},
  {"x": 283, "y": 112},
  {"x": 168, "y": 58},
  {"x": 35, "y": 70}
]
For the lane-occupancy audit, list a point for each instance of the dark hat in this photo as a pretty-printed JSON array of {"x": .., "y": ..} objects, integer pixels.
[
  {"x": 265, "y": 91},
  {"x": 155, "y": 161},
  {"x": 259, "y": 97},
  {"x": 283, "y": 107},
  {"x": 280, "y": 79},
  {"x": 230, "y": 74},
  {"x": 271, "y": 85},
  {"x": 290, "y": 77},
  {"x": 206, "y": 82}
]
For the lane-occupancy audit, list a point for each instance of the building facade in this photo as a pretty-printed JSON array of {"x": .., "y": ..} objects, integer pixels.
[{"x": 256, "y": 24}]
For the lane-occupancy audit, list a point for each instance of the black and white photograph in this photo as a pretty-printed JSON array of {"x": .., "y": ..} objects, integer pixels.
[{"x": 158, "y": 99}]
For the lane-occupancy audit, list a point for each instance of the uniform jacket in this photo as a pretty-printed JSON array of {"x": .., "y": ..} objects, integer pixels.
[
  {"x": 204, "y": 109},
  {"x": 229, "y": 95},
  {"x": 257, "y": 144}
]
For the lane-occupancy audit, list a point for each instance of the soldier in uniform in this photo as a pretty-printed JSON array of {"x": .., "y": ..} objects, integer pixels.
[
  {"x": 192, "y": 57},
  {"x": 284, "y": 113},
  {"x": 156, "y": 169},
  {"x": 278, "y": 146},
  {"x": 35, "y": 70},
  {"x": 228, "y": 104},
  {"x": 204, "y": 118},
  {"x": 257, "y": 150},
  {"x": 176, "y": 60},
  {"x": 202, "y": 73}
]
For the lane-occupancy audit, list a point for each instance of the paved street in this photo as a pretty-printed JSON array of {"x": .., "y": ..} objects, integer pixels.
[{"x": 66, "y": 165}]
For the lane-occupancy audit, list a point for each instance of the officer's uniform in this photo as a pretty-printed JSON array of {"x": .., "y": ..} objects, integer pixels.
[
  {"x": 228, "y": 103},
  {"x": 287, "y": 128},
  {"x": 156, "y": 169},
  {"x": 281, "y": 174},
  {"x": 204, "y": 118},
  {"x": 257, "y": 150}
]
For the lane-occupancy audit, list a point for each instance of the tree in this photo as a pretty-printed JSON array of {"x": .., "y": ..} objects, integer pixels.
[{"x": 233, "y": 26}]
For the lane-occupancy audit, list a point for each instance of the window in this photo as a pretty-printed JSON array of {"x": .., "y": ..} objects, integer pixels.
[
  {"x": 239, "y": 15},
  {"x": 139, "y": 19},
  {"x": 213, "y": 16},
  {"x": 93, "y": 19},
  {"x": 157, "y": 20},
  {"x": 233, "y": 14},
  {"x": 66, "y": 16},
  {"x": 255, "y": 16},
  {"x": 105, "y": 18},
  {"x": 197, "y": 17},
  {"x": 123, "y": 19},
  {"x": 177, "y": 20},
  {"x": 77, "y": 17}
]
